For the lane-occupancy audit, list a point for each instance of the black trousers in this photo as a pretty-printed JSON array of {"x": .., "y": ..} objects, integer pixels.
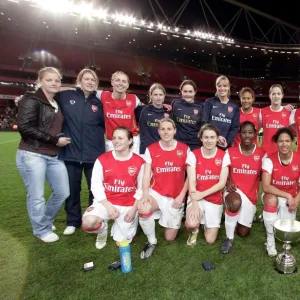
[{"x": 72, "y": 204}]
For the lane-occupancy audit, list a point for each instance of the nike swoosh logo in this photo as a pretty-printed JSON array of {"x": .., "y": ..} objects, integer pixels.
[
  {"x": 179, "y": 108},
  {"x": 157, "y": 155},
  {"x": 215, "y": 106},
  {"x": 268, "y": 116},
  {"x": 235, "y": 157},
  {"x": 150, "y": 114},
  {"x": 275, "y": 170},
  {"x": 107, "y": 171}
]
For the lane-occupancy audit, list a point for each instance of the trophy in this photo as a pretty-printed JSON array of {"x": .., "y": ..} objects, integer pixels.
[{"x": 286, "y": 231}]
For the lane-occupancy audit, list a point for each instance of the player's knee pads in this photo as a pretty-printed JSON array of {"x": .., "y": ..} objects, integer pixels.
[
  {"x": 145, "y": 215},
  {"x": 233, "y": 202},
  {"x": 94, "y": 228}
]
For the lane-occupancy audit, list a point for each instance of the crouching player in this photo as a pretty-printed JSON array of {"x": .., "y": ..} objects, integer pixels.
[
  {"x": 166, "y": 160},
  {"x": 116, "y": 178},
  {"x": 280, "y": 180},
  {"x": 207, "y": 174},
  {"x": 242, "y": 185}
]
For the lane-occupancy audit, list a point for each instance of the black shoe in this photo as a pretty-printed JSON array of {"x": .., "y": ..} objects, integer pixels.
[
  {"x": 148, "y": 250},
  {"x": 226, "y": 246}
]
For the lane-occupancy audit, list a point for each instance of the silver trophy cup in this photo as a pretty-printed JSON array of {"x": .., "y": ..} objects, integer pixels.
[{"x": 286, "y": 231}]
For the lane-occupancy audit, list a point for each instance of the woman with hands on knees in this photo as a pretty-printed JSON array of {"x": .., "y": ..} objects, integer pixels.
[
  {"x": 280, "y": 183},
  {"x": 166, "y": 190},
  {"x": 207, "y": 169},
  {"x": 116, "y": 186},
  {"x": 242, "y": 186},
  {"x": 39, "y": 123}
]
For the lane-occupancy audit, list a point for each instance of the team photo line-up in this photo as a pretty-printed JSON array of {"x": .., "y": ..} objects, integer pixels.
[{"x": 155, "y": 161}]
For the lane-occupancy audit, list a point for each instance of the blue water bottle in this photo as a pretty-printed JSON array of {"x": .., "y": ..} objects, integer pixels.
[{"x": 125, "y": 257}]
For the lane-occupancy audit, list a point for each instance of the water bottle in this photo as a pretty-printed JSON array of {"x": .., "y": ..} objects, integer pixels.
[{"x": 125, "y": 257}]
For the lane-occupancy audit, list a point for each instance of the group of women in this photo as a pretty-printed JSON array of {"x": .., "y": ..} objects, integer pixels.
[{"x": 155, "y": 156}]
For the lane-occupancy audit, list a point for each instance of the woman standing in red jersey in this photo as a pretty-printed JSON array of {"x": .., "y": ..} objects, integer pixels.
[
  {"x": 280, "y": 178},
  {"x": 242, "y": 185},
  {"x": 273, "y": 117},
  {"x": 187, "y": 115},
  {"x": 118, "y": 107},
  {"x": 116, "y": 178},
  {"x": 247, "y": 111},
  {"x": 166, "y": 190},
  {"x": 207, "y": 174}
]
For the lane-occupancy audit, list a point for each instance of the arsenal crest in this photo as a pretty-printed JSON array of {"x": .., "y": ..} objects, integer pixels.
[
  {"x": 90, "y": 208},
  {"x": 230, "y": 109},
  {"x": 179, "y": 153},
  {"x": 128, "y": 103},
  {"x": 196, "y": 112},
  {"x": 166, "y": 115},
  {"x": 283, "y": 114},
  {"x": 256, "y": 158},
  {"x": 295, "y": 168},
  {"x": 255, "y": 116},
  {"x": 94, "y": 108},
  {"x": 131, "y": 171},
  {"x": 72, "y": 102},
  {"x": 218, "y": 161}
]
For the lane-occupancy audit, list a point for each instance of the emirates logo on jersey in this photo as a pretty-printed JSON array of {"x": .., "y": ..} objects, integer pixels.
[
  {"x": 254, "y": 115},
  {"x": 131, "y": 171},
  {"x": 218, "y": 161},
  {"x": 166, "y": 115},
  {"x": 128, "y": 103},
  {"x": 283, "y": 115},
  {"x": 196, "y": 111},
  {"x": 256, "y": 157},
  {"x": 94, "y": 108},
  {"x": 90, "y": 208},
  {"x": 295, "y": 168},
  {"x": 230, "y": 109},
  {"x": 179, "y": 153}
]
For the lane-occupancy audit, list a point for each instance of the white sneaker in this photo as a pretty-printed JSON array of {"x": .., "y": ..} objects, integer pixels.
[
  {"x": 50, "y": 238},
  {"x": 101, "y": 241},
  {"x": 271, "y": 250},
  {"x": 53, "y": 228},
  {"x": 69, "y": 230}
]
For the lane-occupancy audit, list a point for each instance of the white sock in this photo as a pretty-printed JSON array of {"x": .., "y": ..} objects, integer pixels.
[
  {"x": 269, "y": 219},
  {"x": 230, "y": 224},
  {"x": 148, "y": 226}
]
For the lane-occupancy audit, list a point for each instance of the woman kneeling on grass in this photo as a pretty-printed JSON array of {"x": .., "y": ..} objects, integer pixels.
[
  {"x": 207, "y": 174},
  {"x": 280, "y": 179},
  {"x": 116, "y": 177},
  {"x": 39, "y": 122},
  {"x": 242, "y": 186},
  {"x": 166, "y": 190}
]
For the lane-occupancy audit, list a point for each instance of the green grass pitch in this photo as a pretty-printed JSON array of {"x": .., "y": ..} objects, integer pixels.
[{"x": 31, "y": 269}]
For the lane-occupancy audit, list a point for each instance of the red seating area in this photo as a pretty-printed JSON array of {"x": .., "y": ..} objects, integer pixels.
[{"x": 141, "y": 70}]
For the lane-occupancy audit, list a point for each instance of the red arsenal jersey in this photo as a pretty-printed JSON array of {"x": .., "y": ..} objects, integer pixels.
[
  {"x": 285, "y": 178},
  {"x": 244, "y": 171},
  {"x": 168, "y": 168},
  {"x": 271, "y": 122},
  {"x": 208, "y": 171},
  {"x": 120, "y": 178},
  {"x": 119, "y": 113},
  {"x": 252, "y": 117},
  {"x": 295, "y": 119}
]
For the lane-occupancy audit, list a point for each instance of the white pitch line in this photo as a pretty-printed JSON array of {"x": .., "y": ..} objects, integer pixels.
[{"x": 9, "y": 141}]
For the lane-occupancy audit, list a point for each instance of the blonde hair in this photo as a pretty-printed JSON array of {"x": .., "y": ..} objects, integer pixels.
[
  {"x": 120, "y": 72},
  {"x": 42, "y": 73},
  {"x": 153, "y": 87},
  {"x": 82, "y": 72},
  {"x": 274, "y": 86},
  {"x": 219, "y": 79},
  {"x": 166, "y": 120}
]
